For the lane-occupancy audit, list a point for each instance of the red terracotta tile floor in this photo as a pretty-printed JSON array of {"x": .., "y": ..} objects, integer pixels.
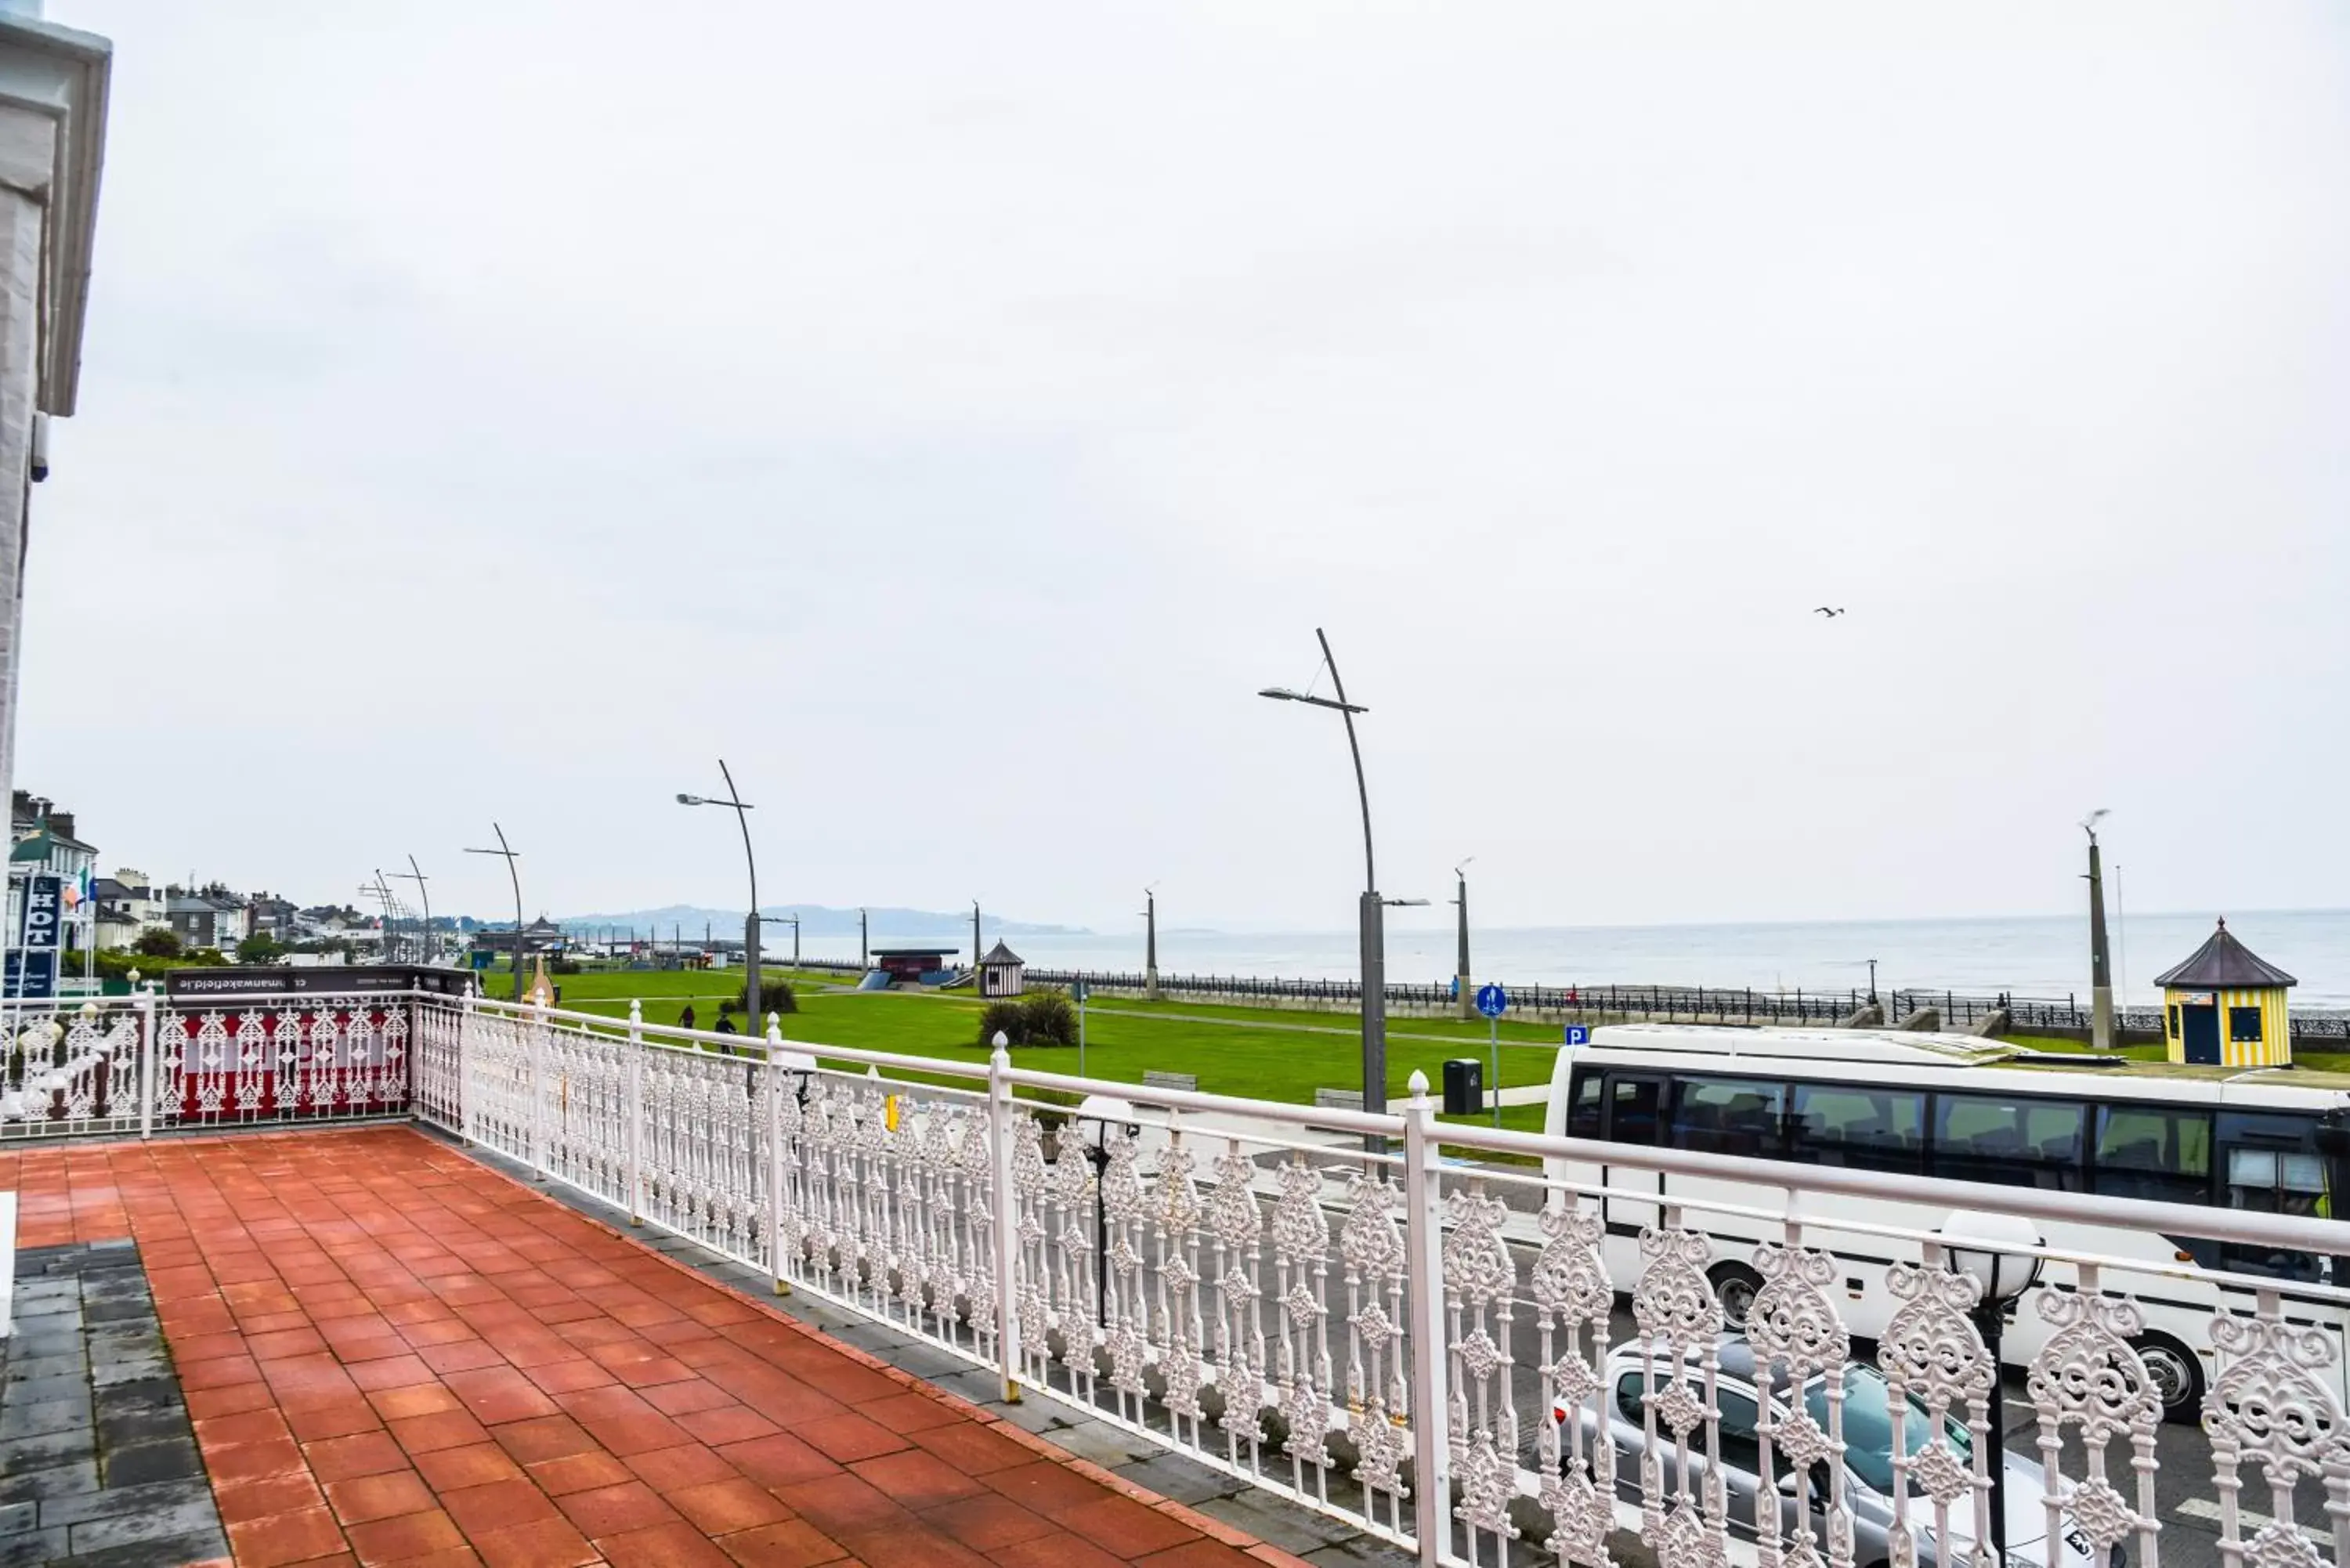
[{"x": 393, "y": 1353}]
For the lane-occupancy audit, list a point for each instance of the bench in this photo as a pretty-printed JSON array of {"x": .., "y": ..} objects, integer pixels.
[
  {"x": 1187, "y": 1082},
  {"x": 1337, "y": 1099}
]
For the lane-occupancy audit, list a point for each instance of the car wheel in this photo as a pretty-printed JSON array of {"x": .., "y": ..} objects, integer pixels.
[
  {"x": 2177, "y": 1377},
  {"x": 1735, "y": 1286}
]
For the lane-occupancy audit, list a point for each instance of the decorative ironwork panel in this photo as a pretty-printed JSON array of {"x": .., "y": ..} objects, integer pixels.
[
  {"x": 1680, "y": 1325},
  {"x": 1480, "y": 1280},
  {"x": 2275, "y": 1406},
  {"x": 2088, "y": 1377},
  {"x": 1572, "y": 1295},
  {"x": 1932, "y": 1354}
]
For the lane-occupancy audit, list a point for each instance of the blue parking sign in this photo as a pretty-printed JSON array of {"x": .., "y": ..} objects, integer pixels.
[{"x": 1578, "y": 1033}]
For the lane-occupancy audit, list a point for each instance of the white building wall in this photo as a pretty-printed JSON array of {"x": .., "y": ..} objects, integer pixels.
[{"x": 27, "y": 152}]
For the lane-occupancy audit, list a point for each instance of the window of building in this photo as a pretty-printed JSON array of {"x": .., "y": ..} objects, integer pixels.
[
  {"x": 2011, "y": 1140},
  {"x": 2244, "y": 1024},
  {"x": 1858, "y": 1125},
  {"x": 2173, "y": 1023},
  {"x": 2156, "y": 1152},
  {"x": 1728, "y": 1116}
]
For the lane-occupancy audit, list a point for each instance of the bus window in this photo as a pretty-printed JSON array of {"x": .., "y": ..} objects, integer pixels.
[
  {"x": 2269, "y": 1163},
  {"x": 1728, "y": 1115},
  {"x": 1632, "y": 1107},
  {"x": 1861, "y": 1127},
  {"x": 2156, "y": 1152},
  {"x": 1583, "y": 1110},
  {"x": 2013, "y": 1141}
]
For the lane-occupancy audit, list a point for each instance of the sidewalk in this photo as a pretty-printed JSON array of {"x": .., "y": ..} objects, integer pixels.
[{"x": 392, "y": 1353}]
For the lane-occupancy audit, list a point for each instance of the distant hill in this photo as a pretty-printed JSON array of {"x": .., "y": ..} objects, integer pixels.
[{"x": 886, "y": 925}]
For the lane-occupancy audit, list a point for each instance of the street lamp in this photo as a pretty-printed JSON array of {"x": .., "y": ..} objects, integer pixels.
[
  {"x": 507, "y": 852},
  {"x": 2005, "y": 1276},
  {"x": 752, "y": 997},
  {"x": 1373, "y": 910},
  {"x": 1150, "y": 942},
  {"x": 1463, "y": 1000},
  {"x": 415, "y": 874},
  {"x": 2101, "y": 972},
  {"x": 1096, "y": 1113}
]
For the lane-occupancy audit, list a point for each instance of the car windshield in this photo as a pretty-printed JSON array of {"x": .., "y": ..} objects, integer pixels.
[{"x": 1868, "y": 1426}]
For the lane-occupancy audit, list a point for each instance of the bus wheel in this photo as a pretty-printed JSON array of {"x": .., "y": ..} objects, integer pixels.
[
  {"x": 1735, "y": 1286},
  {"x": 2177, "y": 1377}
]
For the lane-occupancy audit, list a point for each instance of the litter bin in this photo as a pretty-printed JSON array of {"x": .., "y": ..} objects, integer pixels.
[{"x": 1464, "y": 1086}]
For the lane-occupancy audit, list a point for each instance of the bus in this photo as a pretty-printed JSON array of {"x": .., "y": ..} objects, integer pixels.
[{"x": 1964, "y": 1108}]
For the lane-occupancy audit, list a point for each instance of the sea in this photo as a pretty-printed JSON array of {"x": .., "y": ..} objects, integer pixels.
[{"x": 2026, "y": 956}]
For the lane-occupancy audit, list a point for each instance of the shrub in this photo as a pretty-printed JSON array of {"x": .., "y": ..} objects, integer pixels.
[
  {"x": 157, "y": 944},
  {"x": 775, "y": 996},
  {"x": 1040, "y": 1018}
]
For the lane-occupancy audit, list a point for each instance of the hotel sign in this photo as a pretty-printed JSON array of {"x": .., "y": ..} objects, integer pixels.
[{"x": 33, "y": 956}]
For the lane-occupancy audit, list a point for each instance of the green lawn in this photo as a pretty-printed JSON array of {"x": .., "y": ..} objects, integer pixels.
[{"x": 1261, "y": 1055}]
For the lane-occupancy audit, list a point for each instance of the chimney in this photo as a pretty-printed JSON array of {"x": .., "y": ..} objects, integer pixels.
[{"x": 61, "y": 823}]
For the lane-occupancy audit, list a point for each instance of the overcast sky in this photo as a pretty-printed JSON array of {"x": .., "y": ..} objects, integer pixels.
[{"x": 953, "y": 414}]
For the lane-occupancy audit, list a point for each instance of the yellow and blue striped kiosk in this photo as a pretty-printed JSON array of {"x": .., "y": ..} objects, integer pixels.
[{"x": 2225, "y": 1006}]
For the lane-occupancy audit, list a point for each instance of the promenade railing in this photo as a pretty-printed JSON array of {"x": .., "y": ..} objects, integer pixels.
[{"x": 1431, "y": 1348}]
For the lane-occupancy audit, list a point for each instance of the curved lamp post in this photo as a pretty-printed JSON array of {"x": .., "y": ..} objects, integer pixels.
[
  {"x": 2004, "y": 1275},
  {"x": 1373, "y": 908},
  {"x": 752, "y": 997},
  {"x": 508, "y": 853}
]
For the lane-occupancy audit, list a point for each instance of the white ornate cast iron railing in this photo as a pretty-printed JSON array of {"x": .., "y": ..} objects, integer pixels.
[
  {"x": 143, "y": 1063},
  {"x": 1335, "y": 1326},
  {"x": 1430, "y": 1343}
]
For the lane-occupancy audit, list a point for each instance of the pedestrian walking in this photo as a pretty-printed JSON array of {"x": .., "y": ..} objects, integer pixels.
[{"x": 685, "y": 1017}]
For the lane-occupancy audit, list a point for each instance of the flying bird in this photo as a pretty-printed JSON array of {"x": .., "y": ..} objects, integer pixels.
[{"x": 1831, "y": 614}]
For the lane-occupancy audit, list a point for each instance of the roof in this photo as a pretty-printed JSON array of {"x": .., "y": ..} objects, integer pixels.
[
  {"x": 939, "y": 952},
  {"x": 37, "y": 846},
  {"x": 2223, "y": 963},
  {"x": 999, "y": 953}
]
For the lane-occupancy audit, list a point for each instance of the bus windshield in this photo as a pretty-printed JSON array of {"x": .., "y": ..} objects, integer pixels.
[{"x": 1868, "y": 1426}]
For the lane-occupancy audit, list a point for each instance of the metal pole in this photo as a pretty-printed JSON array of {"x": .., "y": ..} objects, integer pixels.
[
  {"x": 1992, "y": 1320},
  {"x": 1151, "y": 944},
  {"x": 753, "y": 996},
  {"x": 1494, "y": 1050},
  {"x": 974, "y": 938},
  {"x": 2101, "y": 978},
  {"x": 1460, "y": 981},
  {"x": 1375, "y": 966},
  {"x": 1007, "y": 1239},
  {"x": 1374, "y": 1022},
  {"x": 864, "y": 943},
  {"x": 1424, "y": 1275}
]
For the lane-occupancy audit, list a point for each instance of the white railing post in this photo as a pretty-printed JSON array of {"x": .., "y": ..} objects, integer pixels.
[
  {"x": 778, "y": 1087},
  {"x": 632, "y": 1108},
  {"x": 1432, "y": 1490},
  {"x": 149, "y": 1045},
  {"x": 465, "y": 1069},
  {"x": 1006, "y": 1220},
  {"x": 537, "y": 1049}
]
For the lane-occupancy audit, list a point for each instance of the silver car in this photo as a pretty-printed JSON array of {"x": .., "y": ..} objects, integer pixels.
[{"x": 1869, "y": 1461}]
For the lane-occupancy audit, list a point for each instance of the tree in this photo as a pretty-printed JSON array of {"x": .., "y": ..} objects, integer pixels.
[
  {"x": 157, "y": 944},
  {"x": 259, "y": 947}
]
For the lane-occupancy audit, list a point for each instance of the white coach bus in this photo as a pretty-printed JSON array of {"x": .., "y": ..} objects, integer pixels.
[{"x": 1968, "y": 1110}]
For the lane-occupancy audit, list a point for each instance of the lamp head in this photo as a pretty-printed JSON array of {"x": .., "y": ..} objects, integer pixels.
[
  {"x": 1279, "y": 694},
  {"x": 1997, "y": 1259}
]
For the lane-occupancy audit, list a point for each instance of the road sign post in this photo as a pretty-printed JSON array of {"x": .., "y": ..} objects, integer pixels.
[
  {"x": 1492, "y": 1001},
  {"x": 1079, "y": 990}
]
